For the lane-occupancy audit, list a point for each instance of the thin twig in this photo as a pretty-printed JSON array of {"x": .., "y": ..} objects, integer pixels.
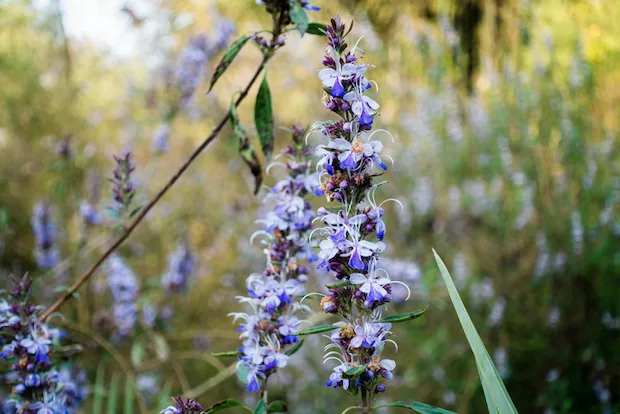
[
  {"x": 202, "y": 356},
  {"x": 212, "y": 382},
  {"x": 178, "y": 370},
  {"x": 84, "y": 277}
]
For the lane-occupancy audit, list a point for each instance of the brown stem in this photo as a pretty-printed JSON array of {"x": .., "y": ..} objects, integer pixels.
[{"x": 85, "y": 276}]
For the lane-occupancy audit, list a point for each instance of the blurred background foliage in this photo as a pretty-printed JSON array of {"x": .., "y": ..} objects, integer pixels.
[{"x": 505, "y": 114}]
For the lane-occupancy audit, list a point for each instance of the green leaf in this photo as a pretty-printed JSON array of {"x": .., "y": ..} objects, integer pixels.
[
  {"x": 355, "y": 371},
  {"x": 403, "y": 317},
  {"x": 129, "y": 395},
  {"x": 98, "y": 392},
  {"x": 161, "y": 347},
  {"x": 65, "y": 289},
  {"x": 226, "y": 354},
  {"x": 263, "y": 118},
  {"x": 242, "y": 373},
  {"x": 339, "y": 285},
  {"x": 137, "y": 353},
  {"x": 315, "y": 330},
  {"x": 245, "y": 148},
  {"x": 135, "y": 211},
  {"x": 418, "y": 407},
  {"x": 261, "y": 406},
  {"x": 223, "y": 405},
  {"x": 112, "y": 212},
  {"x": 498, "y": 399},
  {"x": 230, "y": 55},
  {"x": 299, "y": 17},
  {"x": 277, "y": 407},
  {"x": 295, "y": 348},
  {"x": 113, "y": 394},
  {"x": 164, "y": 395},
  {"x": 318, "y": 29}
]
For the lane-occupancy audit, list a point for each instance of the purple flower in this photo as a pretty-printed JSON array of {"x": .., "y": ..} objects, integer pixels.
[
  {"x": 125, "y": 289},
  {"x": 332, "y": 78},
  {"x": 336, "y": 380},
  {"x": 47, "y": 256},
  {"x": 362, "y": 106},
  {"x": 161, "y": 137},
  {"x": 273, "y": 294},
  {"x": 181, "y": 265},
  {"x": 36, "y": 344},
  {"x": 366, "y": 335},
  {"x": 372, "y": 286},
  {"x": 361, "y": 249},
  {"x": 347, "y": 167}
]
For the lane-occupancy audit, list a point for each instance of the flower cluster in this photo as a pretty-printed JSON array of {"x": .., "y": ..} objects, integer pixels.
[
  {"x": 123, "y": 188},
  {"x": 181, "y": 264},
  {"x": 189, "y": 72},
  {"x": 273, "y": 323},
  {"x": 351, "y": 239},
  {"x": 193, "y": 60},
  {"x": 181, "y": 406},
  {"x": 125, "y": 288},
  {"x": 75, "y": 386},
  {"x": 28, "y": 346},
  {"x": 88, "y": 207},
  {"x": 45, "y": 253}
]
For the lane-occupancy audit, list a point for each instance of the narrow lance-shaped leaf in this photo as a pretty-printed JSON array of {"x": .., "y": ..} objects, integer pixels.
[
  {"x": 316, "y": 330},
  {"x": 317, "y": 29},
  {"x": 263, "y": 117},
  {"x": 299, "y": 17},
  {"x": 161, "y": 347},
  {"x": 403, "y": 317},
  {"x": 277, "y": 407},
  {"x": 245, "y": 148},
  {"x": 494, "y": 389},
  {"x": 295, "y": 348},
  {"x": 226, "y": 404},
  {"x": 227, "y": 354},
  {"x": 355, "y": 371},
  {"x": 113, "y": 394},
  {"x": 98, "y": 390},
  {"x": 230, "y": 55},
  {"x": 129, "y": 395},
  {"x": 164, "y": 395},
  {"x": 339, "y": 285},
  {"x": 137, "y": 353},
  {"x": 418, "y": 407}
]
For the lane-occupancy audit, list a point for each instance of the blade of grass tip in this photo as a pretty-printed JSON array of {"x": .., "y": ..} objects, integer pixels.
[
  {"x": 98, "y": 390},
  {"x": 129, "y": 397},
  {"x": 495, "y": 388},
  {"x": 164, "y": 399},
  {"x": 113, "y": 394}
]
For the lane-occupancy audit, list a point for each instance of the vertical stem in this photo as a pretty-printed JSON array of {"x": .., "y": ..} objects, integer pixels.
[
  {"x": 263, "y": 391},
  {"x": 365, "y": 405}
]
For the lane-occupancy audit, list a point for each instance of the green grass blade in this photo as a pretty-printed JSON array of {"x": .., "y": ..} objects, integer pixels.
[
  {"x": 113, "y": 395},
  {"x": 129, "y": 397},
  {"x": 498, "y": 399},
  {"x": 164, "y": 399},
  {"x": 98, "y": 390}
]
